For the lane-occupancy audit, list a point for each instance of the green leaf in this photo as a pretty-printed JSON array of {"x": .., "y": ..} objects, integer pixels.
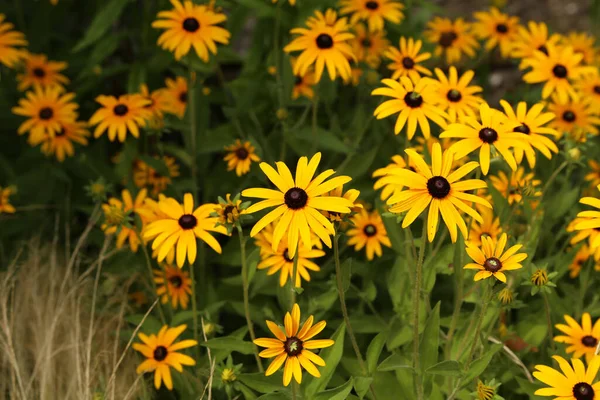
[
  {"x": 274, "y": 396},
  {"x": 261, "y": 8},
  {"x": 428, "y": 347},
  {"x": 479, "y": 365},
  {"x": 183, "y": 316},
  {"x": 529, "y": 388},
  {"x": 332, "y": 356},
  {"x": 338, "y": 393},
  {"x": 393, "y": 362},
  {"x": 445, "y": 368},
  {"x": 374, "y": 350},
  {"x": 105, "y": 17},
  {"x": 229, "y": 343},
  {"x": 326, "y": 140},
  {"x": 151, "y": 324},
  {"x": 346, "y": 273},
  {"x": 362, "y": 385},
  {"x": 261, "y": 383}
]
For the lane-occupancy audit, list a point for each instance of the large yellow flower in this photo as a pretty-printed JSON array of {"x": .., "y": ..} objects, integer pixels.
[
  {"x": 532, "y": 39},
  {"x": 61, "y": 144},
  {"x": 439, "y": 189},
  {"x": 414, "y": 100},
  {"x": 11, "y": 42},
  {"x": 368, "y": 232},
  {"x": 161, "y": 354},
  {"x": 5, "y": 206},
  {"x": 452, "y": 38},
  {"x": 174, "y": 283},
  {"x": 41, "y": 72},
  {"x": 373, "y": 11},
  {"x": 582, "y": 43},
  {"x": 574, "y": 383},
  {"x": 176, "y": 93},
  {"x": 574, "y": 115},
  {"x": 406, "y": 59},
  {"x": 298, "y": 203},
  {"x": 494, "y": 130},
  {"x": 190, "y": 25},
  {"x": 497, "y": 28},
  {"x": 582, "y": 339},
  {"x": 456, "y": 96},
  {"x": 492, "y": 260},
  {"x": 588, "y": 86},
  {"x": 240, "y": 156},
  {"x": 127, "y": 113},
  {"x": 368, "y": 47},
  {"x": 323, "y": 45},
  {"x": 181, "y": 227},
  {"x": 293, "y": 347}
]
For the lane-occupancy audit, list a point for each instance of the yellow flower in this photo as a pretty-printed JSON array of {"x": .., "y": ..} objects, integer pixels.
[
  {"x": 190, "y": 25},
  {"x": 323, "y": 45},
  {"x": 303, "y": 84},
  {"x": 116, "y": 213},
  {"x": 588, "y": 86},
  {"x": 456, "y": 96},
  {"x": 41, "y": 72},
  {"x": 414, "y": 100},
  {"x": 373, "y": 11},
  {"x": 582, "y": 255},
  {"x": 178, "y": 286},
  {"x": 406, "y": 59},
  {"x": 5, "y": 206},
  {"x": 229, "y": 211},
  {"x": 497, "y": 28},
  {"x": 368, "y": 46},
  {"x": 532, "y": 39},
  {"x": 120, "y": 115},
  {"x": 351, "y": 195},
  {"x": 328, "y": 19},
  {"x": 589, "y": 220},
  {"x": 518, "y": 185},
  {"x": 539, "y": 277},
  {"x": 439, "y": 189},
  {"x": 180, "y": 228},
  {"x": 494, "y": 130},
  {"x": 157, "y": 104},
  {"x": 505, "y": 296},
  {"x": 593, "y": 177},
  {"x": 591, "y": 233},
  {"x": 387, "y": 181},
  {"x": 298, "y": 203},
  {"x": 489, "y": 227},
  {"x": 452, "y": 38},
  {"x": 574, "y": 115},
  {"x": 582, "y": 43},
  {"x": 582, "y": 339},
  {"x": 145, "y": 175},
  {"x": 293, "y": 347},
  {"x": 369, "y": 233},
  {"x": 484, "y": 392},
  {"x": 573, "y": 383},
  {"x": 61, "y": 143},
  {"x": 228, "y": 374},
  {"x": 176, "y": 93},
  {"x": 161, "y": 354},
  {"x": 11, "y": 42},
  {"x": 240, "y": 156},
  {"x": 492, "y": 260}
]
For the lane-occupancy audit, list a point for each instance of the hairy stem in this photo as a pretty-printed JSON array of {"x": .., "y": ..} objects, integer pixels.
[{"x": 416, "y": 307}]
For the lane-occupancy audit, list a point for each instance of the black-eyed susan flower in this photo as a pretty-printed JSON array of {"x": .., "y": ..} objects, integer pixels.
[
  {"x": 189, "y": 25},
  {"x": 452, "y": 38},
  {"x": 407, "y": 58},
  {"x": 46, "y": 109},
  {"x": 11, "y": 44},
  {"x": 593, "y": 177},
  {"x": 484, "y": 392},
  {"x": 539, "y": 277},
  {"x": 173, "y": 283},
  {"x": 230, "y": 212},
  {"x": 591, "y": 233},
  {"x": 329, "y": 18},
  {"x": 531, "y": 38},
  {"x": 557, "y": 70},
  {"x": 369, "y": 233},
  {"x": 324, "y": 46},
  {"x": 488, "y": 227},
  {"x": 582, "y": 43},
  {"x": 176, "y": 93},
  {"x": 5, "y": 206},
  {"x": 303, "y": 84},
  {"x": 574, "y": 115},
  {"x": 375, "y": 12},
  {"x": 41, "y": 72},
  {"x": 368, "y": 47},
  {"x": 61, "y": 144},
  {"x": 351, "y": 195},
  {"x": 439, "y": 189},
  {"x": 520, "y": 184},
  {"x": 582, "y": 255},
  {"x": 117, "y": 116},
  {"x": 588, "y": 86},
  {"x": 293, "y": 346},
  {"x": 298, "y": 203},
  {"x": 491, "y": 259},
  {"x": 571, "y": 382},
  {"x": 181, "y": 228},
  {"x": 157, "y": 105},
  {"x": 532, "y": 124},
  {"x": 498, "y": 29},
  {"x": 414, "y": 101},
  {"x": 494, "y": 130},
  {"x": 144, "y": 175},
  {"x": 582, "y": 339},
  {"x": 123, "y": 227},
  {"x": 456, "y": 95},
  {"x": 161, "y": 352},
  {"x": 388, "y": 184},
  {"x": 240, "y": 156}
]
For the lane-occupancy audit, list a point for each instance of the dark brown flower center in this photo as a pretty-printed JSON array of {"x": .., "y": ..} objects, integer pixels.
[
  {"x": 543, "y": 49},
  {"x": 438, "y": 187},
  {"x": 39, "y": 72},
  {"x": 295, "y": 198},
  {"x": 176, "y": 281},
  {"x": 413, "y": 99},
  {"x": 160, "y": 353},
  {"x": 324, "y": 41},
  {"x": 183, "y": 96},
  {"x": 191, "y": 25},
  {"x": 488, "y": 135},
  {"x": 372, "y": 5},
  {"x": 583, "y": 391},
  {"x": 286, "y": 256},
  {"x": 559, "y": 71},
  {"x": 228, "y": 210},
  {"x": 501, "y": 28},
  {"x": 569, "y": 116},
  {"x": 120, "y": 109},
  {"x": 46, "y": 113},
  {"x": 597, "y": 89},
  {"x": 241, "y": 153},
  {"x": 523, "y": 128},
  {"x": 187, "y": 221},
  {"x": 293, "y": 346},
  {"x": 366, "y": 43},
  {"x": 408, "y": 63},
  {"x": 447, "y": 38},
  {"x": 454, "y": 95},
  {"x": 370, "y": 230},
  {"x": 492, "y": 264},
  {"x": 589, "y": 341},
  {"x": 298, "y": 80},
  {"x": 60, "y": 133}
]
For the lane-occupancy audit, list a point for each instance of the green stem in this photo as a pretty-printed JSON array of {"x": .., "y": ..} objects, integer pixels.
[
  {"x": 315, "y": 135},
  {"x": 246, "y": 285},
  {"x": 194, "y": 308},
  {"x": 149, "y": 266},
  {"x": 294, "y": 388},
  {"x": 416, "y": 308},
  {"x": 552, "y": 178},
  {"x": 193, "y": 133},
  {"x": 293, "y": 280},
  {"x": 458, "y": 300},
  {"x": 549, "y": 321},
  {"x": 486, "y": 301}
]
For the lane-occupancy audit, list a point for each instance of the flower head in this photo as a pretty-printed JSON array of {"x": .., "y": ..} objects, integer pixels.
[
  {"x": 582, "y": 339},
  {"x": 119, "y": 216},
  {"x": 41, "y": 72},
  {"x": 506, "y": 296},
  {"x": 369, "y": 233},
  {"x": 5, "y": 206},
  {"x": 157, "y": 104},
  {"x": 497, "y": 28},
  {"x": 571, "y": 382},
  {"x": 489, "y": 227},
  {"x": 406, "y": 60},
  {"x": 120, "y": 115},
  {"x": 61, "y": 143},
  {"x": 158, "y": 178},
  {"x": 539, "y": 277},
  {"x": 492, "y": 260},
  {"x": 173, "y": 283},
  {"x": 303, "y": 84},
  {"x": 375, "y": 12},
  {"x": 452, "y": 38},
  {"x": 368, "y": 47},
  {"x": 11, "y": 44},
  {"x": 518, "y": 186},
  {"x": 240, "y": 156},
  {"x": 532, "y": 38},
  {"x": 176, "y": 94},
  {"x": 455, "y": 94}
]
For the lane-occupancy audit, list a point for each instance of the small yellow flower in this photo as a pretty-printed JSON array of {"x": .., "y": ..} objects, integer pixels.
[
  {"x": 229, "y": 211},
  {"x": 5, "y": 206},
  {"x": 492, "y": 260},
  {"x": 484, "y": 392},
  {"x": 539, "y": 277},
  {"x": 240, "y": 156},
  {"x": 505, "y": 296},
  {"x": 228, "y": 375}
]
